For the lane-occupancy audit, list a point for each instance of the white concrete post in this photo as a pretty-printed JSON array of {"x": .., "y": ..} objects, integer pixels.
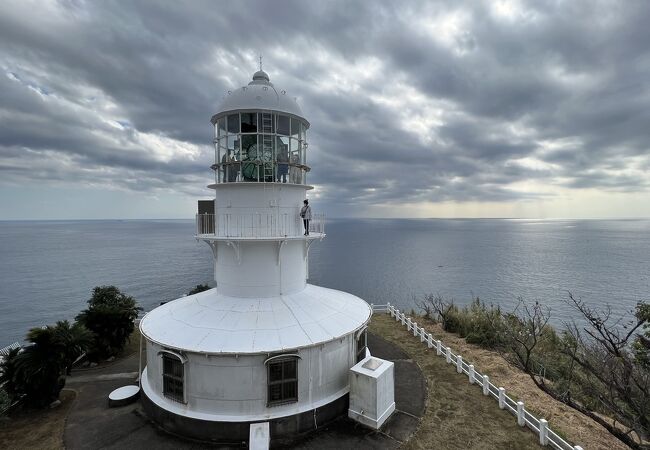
[
  {"x": 422, "y": 334},
  {"x": 408, "y": 324},
  {"x": 543, "y": 432},
  {"x": 471, "y": 374},
  {"x": 397, "y": 315},
  {"x": 430, "y": 341},
  {"x": 502, "y": 398},
  {"x": 372, "y": 307},
  {"x": 459, "y": 364},
  {"x": 448, "y": 355},
  {"x": 415, "y": 328},
  {"x": 259, "y": 436},
  {"x": 403, "y": 318},
  {"x": 521, "y": 420},
  {"x": 486, "y": 385},
  {"x": 388, "y": 311},
  {"x": 439, "y": 347}
]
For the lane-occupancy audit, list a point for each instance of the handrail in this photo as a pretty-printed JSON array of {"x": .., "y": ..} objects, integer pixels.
[
  {"x": 283, "y": 223},
  {"x": 524, "y": 417}
]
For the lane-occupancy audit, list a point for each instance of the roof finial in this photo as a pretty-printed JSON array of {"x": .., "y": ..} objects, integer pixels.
[{"x": 260, "y": 61}]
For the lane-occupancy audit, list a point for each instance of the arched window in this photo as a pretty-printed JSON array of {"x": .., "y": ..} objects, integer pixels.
[
  {"x": 173, "y": 374},
  {"x": 282, "y": 379},
  {"x": 362, "y": 344}
]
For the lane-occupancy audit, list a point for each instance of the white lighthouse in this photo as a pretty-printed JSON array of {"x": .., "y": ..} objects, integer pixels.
[{"x": 264, "y": 345}]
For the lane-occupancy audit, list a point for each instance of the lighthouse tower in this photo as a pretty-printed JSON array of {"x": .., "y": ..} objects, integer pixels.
[{"x": 264, "y": 345}]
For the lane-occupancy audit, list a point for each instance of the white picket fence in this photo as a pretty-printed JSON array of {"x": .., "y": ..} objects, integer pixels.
[{"x": 524, "y": 418}]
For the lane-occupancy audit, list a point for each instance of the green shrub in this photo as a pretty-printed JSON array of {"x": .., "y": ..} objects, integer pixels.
[
  {"x": 37, "y": 372},
  {"x": 477, "y": 322},
  {"x": 110, "y": 317}
]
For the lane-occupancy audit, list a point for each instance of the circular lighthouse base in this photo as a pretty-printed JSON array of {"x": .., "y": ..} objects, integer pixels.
[{"x": 281, "y": 428}]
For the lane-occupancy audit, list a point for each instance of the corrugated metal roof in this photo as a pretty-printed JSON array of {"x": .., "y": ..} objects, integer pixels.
[{"x": 212, "y": 323}]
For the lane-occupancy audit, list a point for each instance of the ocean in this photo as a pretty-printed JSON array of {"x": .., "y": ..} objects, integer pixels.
[{"x": 48, "y": 268}]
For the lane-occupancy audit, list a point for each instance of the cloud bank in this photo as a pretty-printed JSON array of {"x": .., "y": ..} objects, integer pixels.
[{"x": 412, "y": 106}]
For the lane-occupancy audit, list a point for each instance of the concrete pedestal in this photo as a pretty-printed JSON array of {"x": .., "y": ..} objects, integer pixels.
[{"x": 372, "y": 392}]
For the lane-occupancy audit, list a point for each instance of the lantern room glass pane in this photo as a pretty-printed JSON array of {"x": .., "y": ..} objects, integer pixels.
[
  {"x": 221, "y": 127},
  {"x": 233, "y": 123},
  {"x": 283, "y": 125},
  {"x": 295, "y": 150},
  {"x": 249, "y": 146},
  {"x": 295, "y": 128},
  {"x": 267, "y": 123},
  {"x": 249, "y": 122},
  {"x": 233, "y": 145}
]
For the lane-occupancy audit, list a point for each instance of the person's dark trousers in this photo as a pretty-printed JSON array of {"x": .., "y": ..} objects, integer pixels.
[{"x": 306, "y": 223}]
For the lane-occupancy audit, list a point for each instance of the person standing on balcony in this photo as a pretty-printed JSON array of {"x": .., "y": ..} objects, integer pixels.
[{"x": 305, "y": 213}]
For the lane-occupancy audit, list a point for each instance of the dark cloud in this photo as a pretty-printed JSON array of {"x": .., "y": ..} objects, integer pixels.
[{"x": 421, "y": 102}]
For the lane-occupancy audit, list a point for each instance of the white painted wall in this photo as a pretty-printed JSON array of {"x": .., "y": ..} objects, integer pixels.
[
  {"x": 258, "y": 272},
  {"x": 261, "y": 268},
  {"x": 230, "y": 388}
]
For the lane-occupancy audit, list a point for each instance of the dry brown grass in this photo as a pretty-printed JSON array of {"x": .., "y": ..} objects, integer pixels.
[
  {"x": 457, "y": 415},
  {"x": 575, "y": 427},
  {"x": 42, "y": 429}
]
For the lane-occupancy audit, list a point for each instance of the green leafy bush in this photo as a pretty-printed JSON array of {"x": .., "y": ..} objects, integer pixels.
[{"x": 110, "y": 317}]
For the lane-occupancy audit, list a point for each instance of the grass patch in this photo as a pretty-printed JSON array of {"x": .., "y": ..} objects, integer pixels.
[
  {"x": 41, "y": 429},
  {"x": 457, "y": 414}
]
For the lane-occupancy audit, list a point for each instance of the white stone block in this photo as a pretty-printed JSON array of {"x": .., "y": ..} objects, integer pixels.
[
  {"x": 372, "y": 392},
  {"x": 259, "y": 436}
]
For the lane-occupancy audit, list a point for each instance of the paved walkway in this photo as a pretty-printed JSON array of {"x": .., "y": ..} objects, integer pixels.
[{"x": 92, "y": 424}]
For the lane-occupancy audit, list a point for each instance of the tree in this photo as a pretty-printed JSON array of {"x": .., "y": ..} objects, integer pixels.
[
  {"x": 599, "y": 366},
  {"x": 614, "y": 359},
  {"x": 8, "y": 378},
  {"x": 75, "y": 339},
  {"x": 522, "y": 331},
  {"x": 37, "y": 372},
  {"x": 199, "y": 288},
  {"x": 443, "y": 311},
  {"x": 110, "y": 317}
]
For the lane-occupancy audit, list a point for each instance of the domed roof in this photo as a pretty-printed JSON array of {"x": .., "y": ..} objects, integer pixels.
[
  {"x": 210, "y": 322},
  {"x": 259, "y": 94}
]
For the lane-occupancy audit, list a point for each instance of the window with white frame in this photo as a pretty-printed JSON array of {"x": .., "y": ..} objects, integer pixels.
[
  {"x": 282, "y": 380},
  {"x": 173, "y": 377}
]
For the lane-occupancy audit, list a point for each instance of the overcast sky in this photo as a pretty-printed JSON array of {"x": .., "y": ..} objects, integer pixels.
[{"x": 425, "y": 109}]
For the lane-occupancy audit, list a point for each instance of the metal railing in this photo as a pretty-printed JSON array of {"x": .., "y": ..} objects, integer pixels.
[
  {"x": 5, "y": 350},
  {"x": 524, "y": 418},
  {"x": 257, "y": 225}
]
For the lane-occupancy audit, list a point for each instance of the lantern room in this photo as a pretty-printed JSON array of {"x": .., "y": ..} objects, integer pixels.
[{"x": 260, "y": 136}]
